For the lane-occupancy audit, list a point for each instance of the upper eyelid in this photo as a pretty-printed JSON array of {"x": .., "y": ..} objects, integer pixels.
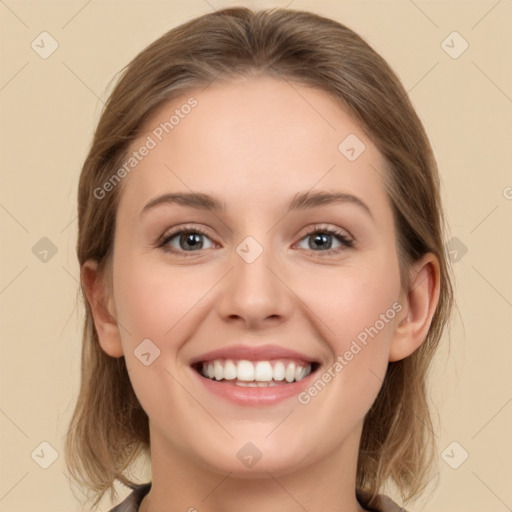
[
  {"x": 194, "y": 228},
  {"x": 330, "y": 229}
]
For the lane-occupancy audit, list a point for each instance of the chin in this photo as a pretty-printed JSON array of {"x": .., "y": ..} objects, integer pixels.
[{"x": 248, "y": 461}]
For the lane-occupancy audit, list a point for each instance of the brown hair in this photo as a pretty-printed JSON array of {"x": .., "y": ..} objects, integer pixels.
[{"x": 109, "y": 429}]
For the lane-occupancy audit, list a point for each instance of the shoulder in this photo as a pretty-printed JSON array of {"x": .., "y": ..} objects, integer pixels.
[
  {"x": 133, "y": 500},
  {"x": 381, "y": 503}
]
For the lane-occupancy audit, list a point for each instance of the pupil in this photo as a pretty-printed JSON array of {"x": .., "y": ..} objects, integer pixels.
[
  {"x": 193, "y": 240},
  {"x": 320, "y": 239}
]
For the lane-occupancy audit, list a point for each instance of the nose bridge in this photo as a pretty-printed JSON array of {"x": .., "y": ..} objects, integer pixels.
[
  {"x": 252, "y": 275},
  {"x": 252, "y": 266},
  {"x": 252, "y": 290}
]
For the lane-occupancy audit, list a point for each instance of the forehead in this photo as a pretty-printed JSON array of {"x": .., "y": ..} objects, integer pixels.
[{"x": 254, "y": 138}]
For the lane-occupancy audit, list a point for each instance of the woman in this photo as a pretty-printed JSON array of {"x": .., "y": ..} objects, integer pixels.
[{"x": 261, "y": 251}]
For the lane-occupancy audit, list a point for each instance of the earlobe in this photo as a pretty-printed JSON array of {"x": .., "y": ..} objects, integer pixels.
[
  {"x": 420, "y": 304},
  {"x": 101, "y": 303}
]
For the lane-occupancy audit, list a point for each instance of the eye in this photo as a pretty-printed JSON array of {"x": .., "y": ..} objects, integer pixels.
[
  {"x": 185, "y": 240},
  {"x": 322, "y": 239},
  {"x": 188, "y": 240}
]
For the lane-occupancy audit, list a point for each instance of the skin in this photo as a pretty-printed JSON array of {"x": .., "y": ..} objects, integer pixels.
[{"x": 254, "y": 143}]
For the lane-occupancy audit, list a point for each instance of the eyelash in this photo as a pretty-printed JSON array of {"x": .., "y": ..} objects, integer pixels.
[{"x": 166, "y": 238}]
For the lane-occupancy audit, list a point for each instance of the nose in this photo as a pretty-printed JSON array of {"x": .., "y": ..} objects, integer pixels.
[{"x": 254, "y": 294}]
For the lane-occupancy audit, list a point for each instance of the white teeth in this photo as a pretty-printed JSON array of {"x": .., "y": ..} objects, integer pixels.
[
  {"x": 278, "y": 371},
  {"x": 253, "y": 384},
  {"x": 290, "y": 373},
  {"x": 245, "y": 371},
  {"x": 218, "y": 371},
  {"x": 263, "y": 371},
  {"x": 229, "y": 370},
  {"x": 300, "y": 373},
  {"x": 255, "y": 374}
]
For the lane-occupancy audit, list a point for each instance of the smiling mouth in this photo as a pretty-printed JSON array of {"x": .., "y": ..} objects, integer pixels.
[{"x": 247, "y": 373}]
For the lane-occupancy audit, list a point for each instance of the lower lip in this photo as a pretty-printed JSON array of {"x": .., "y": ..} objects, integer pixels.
[{"x": 254, "y": 396}]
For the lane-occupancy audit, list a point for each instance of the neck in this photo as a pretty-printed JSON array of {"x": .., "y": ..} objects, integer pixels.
[{"x": 180, "y": 483}]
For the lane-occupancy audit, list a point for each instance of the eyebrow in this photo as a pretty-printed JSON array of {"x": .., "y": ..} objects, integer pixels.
[{"x": 301, "y": 201}]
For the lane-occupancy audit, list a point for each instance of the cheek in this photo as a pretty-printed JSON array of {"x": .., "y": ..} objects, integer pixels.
[
  {"x": 358, "y": 321},
  {"x": 154, "y": 301},
  {"x": 357, "y": 306},
  {"x": 349, "y": 301}
]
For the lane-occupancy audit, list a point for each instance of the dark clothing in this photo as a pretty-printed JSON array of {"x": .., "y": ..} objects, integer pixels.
[{"x": 133, "y": 501}]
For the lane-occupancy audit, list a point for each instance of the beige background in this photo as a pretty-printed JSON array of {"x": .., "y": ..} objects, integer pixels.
[{"x": 49, "y": 108}]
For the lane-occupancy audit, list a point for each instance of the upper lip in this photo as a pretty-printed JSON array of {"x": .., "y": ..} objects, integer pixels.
[{"x": 252, "y": 353}]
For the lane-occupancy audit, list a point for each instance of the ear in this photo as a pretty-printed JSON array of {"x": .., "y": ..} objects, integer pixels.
[
  {"x": 102, "y": 307},
  {"x": 419, "y": 304}
]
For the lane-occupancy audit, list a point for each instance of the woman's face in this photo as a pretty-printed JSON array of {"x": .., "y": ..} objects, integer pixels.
[{"x": 273, "y": 269}]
